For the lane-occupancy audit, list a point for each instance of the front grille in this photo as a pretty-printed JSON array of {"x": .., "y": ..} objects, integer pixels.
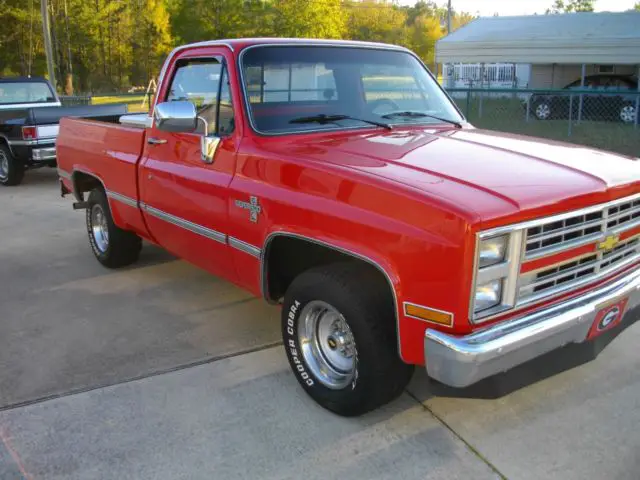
[
  {"x": 572, "y": 231},
  {"x": 623, "y": 214},
  {"x": 576, "y": 272},
  {"x": 564, "y": 232}
]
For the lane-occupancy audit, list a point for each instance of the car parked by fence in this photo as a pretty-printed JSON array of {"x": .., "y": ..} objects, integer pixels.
[{"x": 606, "y": 98}]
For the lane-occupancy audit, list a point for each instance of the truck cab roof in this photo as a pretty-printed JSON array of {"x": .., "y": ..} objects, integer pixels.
[{"x": 237, "y": 44}]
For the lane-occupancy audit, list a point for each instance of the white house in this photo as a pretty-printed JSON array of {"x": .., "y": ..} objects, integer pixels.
[{"x": 559, "y": 49}]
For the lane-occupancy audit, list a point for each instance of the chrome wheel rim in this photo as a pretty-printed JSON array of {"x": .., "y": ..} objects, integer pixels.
[
  {"x": 628, "y": 114},
  {"x": 4, "y": 166},
  {"x": 327, "y": 345},
  {"x": 99, "y": 228},
  {"x": 543, "y": 111}
]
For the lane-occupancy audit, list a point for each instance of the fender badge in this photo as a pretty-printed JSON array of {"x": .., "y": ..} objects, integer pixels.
[{"x": 252, "y": 205}]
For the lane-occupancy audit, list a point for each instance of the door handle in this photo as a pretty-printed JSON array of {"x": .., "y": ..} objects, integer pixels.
[{"x": 156, "y": 141}]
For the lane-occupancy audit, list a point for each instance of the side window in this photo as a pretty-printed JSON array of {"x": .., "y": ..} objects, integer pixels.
[{"x": 199, "y": 81}]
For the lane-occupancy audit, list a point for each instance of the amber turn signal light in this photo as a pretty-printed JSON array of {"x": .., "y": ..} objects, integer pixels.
[{"x": 428, "y": 314}]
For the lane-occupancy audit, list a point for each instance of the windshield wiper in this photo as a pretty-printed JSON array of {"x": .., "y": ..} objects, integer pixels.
[
  {"x": 322, "y": 119},
  {"x": 414, "y": 114}
]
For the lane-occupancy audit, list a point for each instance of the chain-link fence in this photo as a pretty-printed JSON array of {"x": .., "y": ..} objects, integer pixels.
[
  {"x": 136, "y": 102},
  {"x": 602, "y": 119}
]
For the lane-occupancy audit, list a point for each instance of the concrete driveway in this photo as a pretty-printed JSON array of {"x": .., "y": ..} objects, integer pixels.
[{"x": 162, "y": 371}]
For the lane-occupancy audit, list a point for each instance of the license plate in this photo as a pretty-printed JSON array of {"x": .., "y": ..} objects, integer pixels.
[{"x": 608, "y": 318}]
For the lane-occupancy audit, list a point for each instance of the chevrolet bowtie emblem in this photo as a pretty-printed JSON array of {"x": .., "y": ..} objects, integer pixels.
[
  {"x": 252, "y": 205},
  {"x": 609, "y": 243}
]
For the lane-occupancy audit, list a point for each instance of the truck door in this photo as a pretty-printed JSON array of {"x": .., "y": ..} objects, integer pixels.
[{"x": 184, "y": 198}]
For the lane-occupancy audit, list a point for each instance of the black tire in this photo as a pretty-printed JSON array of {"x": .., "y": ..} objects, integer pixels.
[
  {"x": 118, "y": 247},
  {"x": 11, "y": 169},
  {"x": 367, "y": 308}
]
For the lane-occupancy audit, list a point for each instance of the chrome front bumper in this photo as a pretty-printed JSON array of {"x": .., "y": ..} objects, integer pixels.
[{"x": 462, "y": 361}]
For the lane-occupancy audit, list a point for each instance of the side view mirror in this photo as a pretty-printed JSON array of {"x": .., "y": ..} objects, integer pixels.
[{"x": 176, "y": 116}]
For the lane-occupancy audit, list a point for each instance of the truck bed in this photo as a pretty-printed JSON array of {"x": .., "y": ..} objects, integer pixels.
[{"x": 109, "y": 152}]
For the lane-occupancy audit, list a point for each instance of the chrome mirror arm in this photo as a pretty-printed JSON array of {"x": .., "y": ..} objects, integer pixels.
[{"x": 206, "y": 125}]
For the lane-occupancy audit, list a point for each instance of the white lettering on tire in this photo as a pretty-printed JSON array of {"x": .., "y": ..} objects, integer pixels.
[{"x": 293, "y": 350}]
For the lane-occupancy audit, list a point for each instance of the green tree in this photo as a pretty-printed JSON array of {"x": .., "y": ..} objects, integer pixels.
[
  {"x": 197, "y": 20},
  {"x": 150, "y": 38},
  {"x": 425, "y": 32},
  {"x": 377, "y": 21},
  {"x": 569, "y": 6},
  {"x": 637, "y": 6},
  {"x": 21, "y": 46},
  {"x": 309, "y": 18}
]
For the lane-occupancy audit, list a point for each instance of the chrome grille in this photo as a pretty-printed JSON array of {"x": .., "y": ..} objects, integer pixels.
[
  {"x": 576, "y": 272},
  {"x": 567, "y": 231},
  {"x": 564, "y": 232},
  {"x": 623, "y": 214}
]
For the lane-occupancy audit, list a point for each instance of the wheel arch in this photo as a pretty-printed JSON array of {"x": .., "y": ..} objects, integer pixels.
[
  {"x": 83, "y": 182},
  {"x": 5, "y": 141},
  {"x": 272, "y": 292}
]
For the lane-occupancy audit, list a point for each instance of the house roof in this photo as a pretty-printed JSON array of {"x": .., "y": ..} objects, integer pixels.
[{"x": 600, "y": 38}]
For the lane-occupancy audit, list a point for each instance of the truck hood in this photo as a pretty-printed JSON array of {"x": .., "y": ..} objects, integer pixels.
[{"x": 492, "y": 174}]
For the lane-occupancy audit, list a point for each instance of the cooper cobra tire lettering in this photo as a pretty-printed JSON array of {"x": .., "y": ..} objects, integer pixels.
[
  {"x": 360, "y": 299},
  {"x": 293, "y": 350}
]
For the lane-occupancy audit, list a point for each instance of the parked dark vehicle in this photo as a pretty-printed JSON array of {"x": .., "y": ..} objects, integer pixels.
[
  {"x": 29, "y": 114},
  {"x": 609, "y": 100}
]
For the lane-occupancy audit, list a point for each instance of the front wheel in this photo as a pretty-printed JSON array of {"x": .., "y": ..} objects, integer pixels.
[
  {"x": 338, "y": 328},
  {"x": 112, "y": 246},
  {"x": 11, "y": 170},
  {"x": 542, "y": 111},
  {"x": 628, "y": 113}
]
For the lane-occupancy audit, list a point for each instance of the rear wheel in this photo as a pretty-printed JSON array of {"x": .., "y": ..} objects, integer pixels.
[
  {"x": 112, "y": 246},
  {"x": 338, "y": 328},
  {"x": 11, "y": 170}
]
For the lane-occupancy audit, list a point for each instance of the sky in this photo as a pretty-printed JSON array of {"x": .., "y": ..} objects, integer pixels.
[{"x": 522, "y": 7}]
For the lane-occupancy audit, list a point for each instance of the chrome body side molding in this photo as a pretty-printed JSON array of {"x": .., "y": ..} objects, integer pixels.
[
  {"x": 182, "y": 223},
  {"x": 244, "y": 247}
]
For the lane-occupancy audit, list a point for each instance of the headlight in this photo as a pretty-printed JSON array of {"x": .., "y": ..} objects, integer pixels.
[
  {"x": 492, "y": 251},
  {"x": 488, "y": 295}
]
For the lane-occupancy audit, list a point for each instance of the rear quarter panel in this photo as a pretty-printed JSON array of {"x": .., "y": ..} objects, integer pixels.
[{"x": 110, "y": 153}]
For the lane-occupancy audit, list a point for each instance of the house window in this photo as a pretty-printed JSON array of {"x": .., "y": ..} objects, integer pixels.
[{"x": 606, "y": 69}]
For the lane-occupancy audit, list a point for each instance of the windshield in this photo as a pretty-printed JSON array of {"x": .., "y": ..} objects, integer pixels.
[
  {"x": 25, "y": 92},
  {"x": 297, "y": 89}
]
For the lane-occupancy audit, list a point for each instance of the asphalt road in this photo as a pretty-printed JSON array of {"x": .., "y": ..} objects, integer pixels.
[{"x": 162, "y": 371}]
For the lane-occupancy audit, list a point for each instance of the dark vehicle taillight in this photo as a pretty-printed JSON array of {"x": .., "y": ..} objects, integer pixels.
[{"x": 29, "y": 133}]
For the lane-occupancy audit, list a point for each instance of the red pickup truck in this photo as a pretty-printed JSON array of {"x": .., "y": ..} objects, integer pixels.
[{"x": 339, "y": 180}]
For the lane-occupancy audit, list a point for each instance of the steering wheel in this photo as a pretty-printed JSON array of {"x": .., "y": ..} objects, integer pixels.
[{"x": 390, "y": 105}]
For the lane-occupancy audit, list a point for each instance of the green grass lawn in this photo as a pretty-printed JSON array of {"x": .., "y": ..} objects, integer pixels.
[{"x": 134, "y": 102}]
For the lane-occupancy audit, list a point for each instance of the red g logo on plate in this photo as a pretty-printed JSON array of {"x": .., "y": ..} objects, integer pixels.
[{"x": 607, "y": 318}]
